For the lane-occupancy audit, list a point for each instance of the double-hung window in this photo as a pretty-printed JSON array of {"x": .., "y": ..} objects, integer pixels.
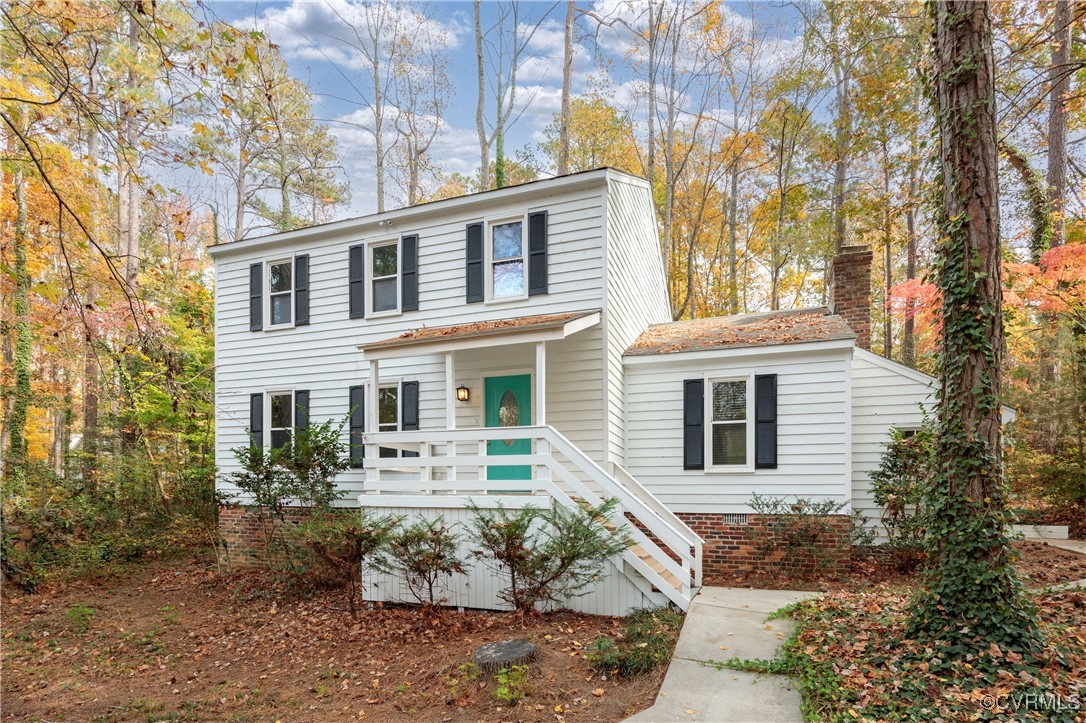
[
  {"x": 730, "y": 429},
  {"x": 281, "y": 418},
  {"x": 384, "y": 260},
  {"x": 388, "y": 414},
  {"x": 506, "y": 248},
  {"x": 280, "y": 283}
]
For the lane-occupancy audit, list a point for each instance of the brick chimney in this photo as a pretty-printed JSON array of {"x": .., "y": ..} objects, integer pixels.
[{"x": 850, "y": 291}]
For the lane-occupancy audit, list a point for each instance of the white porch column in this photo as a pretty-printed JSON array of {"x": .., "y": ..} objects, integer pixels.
[
  {"x": 541, "y": 383},
  {"x": 450, "y": 391},
  {"x": 374, "y": 400}
]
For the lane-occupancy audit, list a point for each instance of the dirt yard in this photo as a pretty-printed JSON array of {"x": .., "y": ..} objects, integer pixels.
[
  {"x": 176, "y": 642},
  {"x": 1039, "y": 564}
]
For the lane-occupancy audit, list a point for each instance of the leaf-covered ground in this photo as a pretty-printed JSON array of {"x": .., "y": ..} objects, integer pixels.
[
  {"x": 177, "y": 643},
  {"x": 856, "y": 662}
]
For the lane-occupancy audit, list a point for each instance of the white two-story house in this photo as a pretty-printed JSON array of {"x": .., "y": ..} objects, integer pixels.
[{"x": 516, "y": 346}]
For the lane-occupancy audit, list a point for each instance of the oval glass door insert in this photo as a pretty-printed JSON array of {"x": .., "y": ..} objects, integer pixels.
[{"x": 509, "y": 413}]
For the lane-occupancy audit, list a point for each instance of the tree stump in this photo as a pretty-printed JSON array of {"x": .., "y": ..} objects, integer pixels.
[{"x": 492, "y": 657}]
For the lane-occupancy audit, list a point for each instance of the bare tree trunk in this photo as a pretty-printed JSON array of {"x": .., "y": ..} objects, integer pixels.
[
  {"x": 733, "y": 236},
  {"x": 567, "y": 82},
  {"x": 499, "y": 147},
  {"x": 240, "y": 189},
  {"x": 888, "y": 260},
  {"x": 654, "y": 38},
  {"x": 971, "y": 597},
  {"x": 379, "y": 125},
  {"x": 480, "y": 104},
  {"x": 908, "y": 340},
  {"x": 1059, "y": 75},
  {"x": 843, "y": 127},
  {"x": 129, "y": 188}
]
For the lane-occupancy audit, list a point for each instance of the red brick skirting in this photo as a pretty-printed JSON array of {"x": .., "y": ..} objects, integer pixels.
[
  {"x": 244, "y": 537},
  {"x": 732, "y": 546}
]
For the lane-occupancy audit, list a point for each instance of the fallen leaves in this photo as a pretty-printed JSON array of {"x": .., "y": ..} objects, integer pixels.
[{"x": 856, "y": 650}]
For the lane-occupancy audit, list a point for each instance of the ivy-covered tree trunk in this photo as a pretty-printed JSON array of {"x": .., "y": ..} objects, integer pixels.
[
  {"x": 971, "y": 595},
  {"x": 17, "y": 438}
]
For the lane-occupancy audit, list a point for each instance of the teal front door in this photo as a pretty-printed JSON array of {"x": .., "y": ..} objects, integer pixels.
[{"x": 508, "y": 404}]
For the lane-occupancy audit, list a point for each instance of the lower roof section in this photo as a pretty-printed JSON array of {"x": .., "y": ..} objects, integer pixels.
[
  {"x": 770, "y": 328},
  {"x": 514, "y": 330}
]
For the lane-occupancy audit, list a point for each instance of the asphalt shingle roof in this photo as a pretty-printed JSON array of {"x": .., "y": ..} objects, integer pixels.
[{"x": 770, "y": 328}]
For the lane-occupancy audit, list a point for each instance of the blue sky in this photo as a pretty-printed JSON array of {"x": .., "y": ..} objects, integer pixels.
[{"x": 310, "y": 36}]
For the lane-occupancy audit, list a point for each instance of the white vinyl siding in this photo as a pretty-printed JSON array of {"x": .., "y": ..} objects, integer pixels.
[
  {"x": 323, "y": 357},
  {"x": 884, "y": 395},
  {"x": 611, "y": 594},
  {"x": 812, "y": 427},
  {"x": 636, "y": 291}
]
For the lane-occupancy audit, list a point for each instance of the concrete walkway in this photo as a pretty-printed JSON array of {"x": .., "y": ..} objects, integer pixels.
[
  {"x": 1078, "y": 546},
  {"x": 724, "y": 623}
]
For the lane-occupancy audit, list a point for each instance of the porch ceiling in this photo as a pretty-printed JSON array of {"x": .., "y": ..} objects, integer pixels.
[{"x": 499, "y": 332}]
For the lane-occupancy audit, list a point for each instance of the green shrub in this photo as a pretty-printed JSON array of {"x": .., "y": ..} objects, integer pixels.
[
  {"x": 797, "y": 537},
  {"x": 424, "y": 553},
  {"x": 302, "y": 473},
  {"x": 512, "y": 684},
  {"x": 344, "y": 540},
  {"x": 548, "y": 556},
  {"x": 647, "y": 641},
  {"x": 906, "y": 468}
]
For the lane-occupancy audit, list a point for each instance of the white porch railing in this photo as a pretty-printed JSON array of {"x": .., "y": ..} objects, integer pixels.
[{"x": 453, "y": 462}]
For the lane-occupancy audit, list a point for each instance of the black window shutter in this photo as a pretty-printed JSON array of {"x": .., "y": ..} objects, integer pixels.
[
  {"x": 537, "y": 253},
  {"x": 765, "y": 421},
  {"x": 474, "y": 259},
  {"x": 409, "y": 410},
  {"x": 301, "y": 409},
  {"x": 256, "y": 420},
  {"x": 694, "y": 424},
  {"x": 301, "y": 289},
  {"x": 256, "y": 296},
  {"x": 356, "y": 273},
  {"x": 409, "y": 273},
  {"x": 357, "y": 397}
]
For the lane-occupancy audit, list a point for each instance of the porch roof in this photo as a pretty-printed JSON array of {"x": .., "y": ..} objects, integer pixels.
[
  {"x": 514, "y": 330},
  {"x": 771, "y": 328}
]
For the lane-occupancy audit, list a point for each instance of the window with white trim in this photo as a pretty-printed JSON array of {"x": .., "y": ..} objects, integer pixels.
[
  {"x": 729, "y": 432},
  {"x": 280, "y": 418},
  {"x": 506, "y": 254},
  {"x": 280, "y": 284},
  {"x": 384, "y": 274},
  {"x": 388, "y": 415}
]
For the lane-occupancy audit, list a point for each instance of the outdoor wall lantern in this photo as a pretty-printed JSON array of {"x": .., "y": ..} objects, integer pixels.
[{"x": 463, "y": 394}]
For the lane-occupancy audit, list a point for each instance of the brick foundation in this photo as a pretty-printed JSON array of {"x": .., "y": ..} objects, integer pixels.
[
  {"x": 243, "y": 535},
  {"x": 730, "y": 544}
]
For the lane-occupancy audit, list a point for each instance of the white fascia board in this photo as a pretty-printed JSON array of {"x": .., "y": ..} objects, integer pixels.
[
  {"x": 439, "y": 345},
  {"x": 896, "y": 367},
  {"x": 386, "y": 222},
  {"x": 739, "y": 352}
]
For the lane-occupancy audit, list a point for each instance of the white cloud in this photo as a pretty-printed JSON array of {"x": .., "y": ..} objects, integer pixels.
[{"x": 336, "y": 29}]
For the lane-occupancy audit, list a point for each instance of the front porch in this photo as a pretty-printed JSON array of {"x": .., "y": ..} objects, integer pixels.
[{"x": 437, "y": 471}]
